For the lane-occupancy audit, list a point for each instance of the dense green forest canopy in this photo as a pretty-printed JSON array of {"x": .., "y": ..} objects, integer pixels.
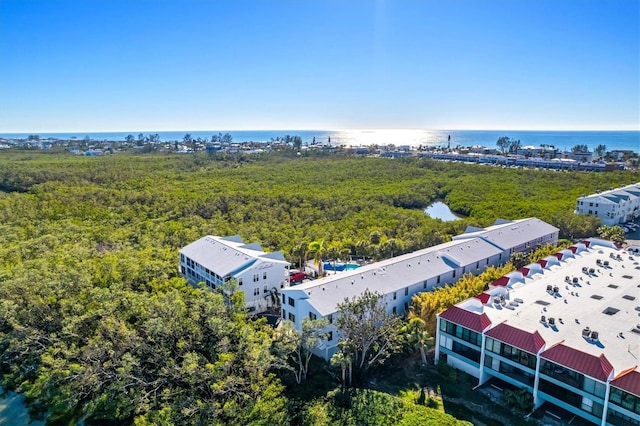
[{"x": 95, "y": 322}]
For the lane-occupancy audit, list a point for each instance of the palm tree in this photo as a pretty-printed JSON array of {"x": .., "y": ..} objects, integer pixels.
[
  {"x": 416, "y": 334},
  {"x": 299, "y": 252},
  {"x": 317, "y": 249},
  {"x": 274, "y": 298}
]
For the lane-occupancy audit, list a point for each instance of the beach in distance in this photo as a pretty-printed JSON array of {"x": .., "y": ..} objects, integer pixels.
[{"x": 563, "y": 140}]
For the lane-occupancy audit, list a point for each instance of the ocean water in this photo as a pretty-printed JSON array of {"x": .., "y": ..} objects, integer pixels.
[{"x": 563, "y": 140}]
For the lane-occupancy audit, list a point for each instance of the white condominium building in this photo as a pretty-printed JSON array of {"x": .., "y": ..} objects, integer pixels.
[
  {"x": 398, "y": 279},
  {"x": 566, "y": 329},
  {"x": 613, "y": 206},
  {"x": 215, "y": 260}
]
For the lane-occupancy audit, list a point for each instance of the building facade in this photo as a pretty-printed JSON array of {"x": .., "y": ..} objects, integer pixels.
[
  {"x": 216, "y": 260},
  {"x": 398, "y": 279},
  {"x": 565, "y": 329},
  {"x": 613, "y": 206}
]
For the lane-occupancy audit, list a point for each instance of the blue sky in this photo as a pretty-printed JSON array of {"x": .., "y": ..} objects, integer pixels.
[{"x": 204, "y": 65}]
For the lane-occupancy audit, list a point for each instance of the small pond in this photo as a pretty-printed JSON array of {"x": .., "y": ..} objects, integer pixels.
[{"x": 439, "y": 210}]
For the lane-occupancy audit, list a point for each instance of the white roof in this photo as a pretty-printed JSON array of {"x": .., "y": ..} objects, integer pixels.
[
  {"x": 508, "y": 234},
  {"x": 625, "y": 192},
  {"x": 394, "y": 274},
  {"x": 577, "y": 306},
  {"x": 227, "y": 255}
]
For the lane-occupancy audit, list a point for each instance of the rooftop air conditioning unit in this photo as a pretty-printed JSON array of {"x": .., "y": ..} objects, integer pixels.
[
  {"x": 552, "y": 321},
  {"x": 543, "y": 319},
  {"x": 594, "y": 335},
  {"x": 586, "y": 331}
]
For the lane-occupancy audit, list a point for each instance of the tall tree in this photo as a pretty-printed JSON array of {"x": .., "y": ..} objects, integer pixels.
[
  {"x": 297, "y": 143},
  {"x": 296, "y": 349},
  {"x": 368, "y": 333},
  {"x": 317, "y": 250},
  {"x": 579, "y": 149},
  {"x": 226, "y": 138},
  {"x": 416, "y": 334},
  {"x": 299, "y": 253},
  {"x": 514, "y": 146},
  {"x": 504, "y": 143},
  {"x": 600, "y": 150}
]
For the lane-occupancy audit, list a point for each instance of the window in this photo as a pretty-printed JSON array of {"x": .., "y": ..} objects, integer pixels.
[
  {"x": 292, "y": 317},
  {"x": 256, "y": 291},
  {"x": 594, "y": 387},
  {"x": 292, "y": 302},
  {"x": 394, "y": 296},
  {"x": 466, "y": 351},
  {"x": 454, "y": 273},
  {"x": 284, "y": 299},
  {"x": 239, "y": 281},
  {"x": 264, "y": 275},
  {"x": 284, "y": 314},
  {"x": 181, "y": 257},
  {"x": 264, "y": 289},
  {"x": 183, "y": 270},
  {"x": 256, "y": 278},
  {"x": 330, "y": 336},
  {"x": 438, "y": 280},
  {"x": 394, "y": 310},
  {"x": 406, "y": 291},
  {"x": 424, "y": 284},
  {"x": 330, "y": 318},
  {"x": 488, "y": 361},
  {"x": 312, "y": 316}
]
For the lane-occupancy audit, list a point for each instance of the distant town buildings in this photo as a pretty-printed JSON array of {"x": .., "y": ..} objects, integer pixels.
[
  {"x": 216, "y": 260},
  {"x": 566, "y": 329},
  {"x": 542, "y": 157},
  {"x": 398, "y": 279},
  {"x": 613, "y": 206}
]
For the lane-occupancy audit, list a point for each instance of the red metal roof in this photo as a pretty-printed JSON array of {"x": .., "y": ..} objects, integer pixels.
[
  {"x": 542, "y": 262},
  {"x": 467, "y": 319},
  {"x": 629, "y": 381},
  {"x": 530, "y": 342},
  {"x": 501, "y": 282},
  {"x": 573, "y": 249},
  {"x": 484, "y": 297},
  {"x": 597, "y": 367},
  {"x": 524, "y": 271},
  {"x": 558, "y": 256},
  {"x": 586, "y": 242}
]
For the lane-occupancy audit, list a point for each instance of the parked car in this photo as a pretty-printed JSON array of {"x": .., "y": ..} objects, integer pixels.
[{"x": 296, "y": 276}]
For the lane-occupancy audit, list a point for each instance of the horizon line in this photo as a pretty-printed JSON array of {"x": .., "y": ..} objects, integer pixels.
[{"x": 327, "y": 130}]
